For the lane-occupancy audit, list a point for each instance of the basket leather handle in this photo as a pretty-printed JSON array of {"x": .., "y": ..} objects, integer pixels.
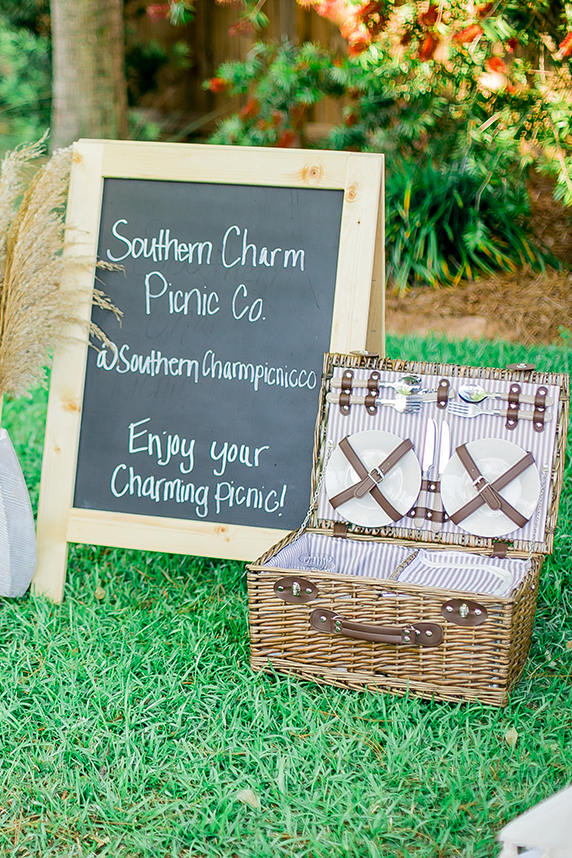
[{"x": 412, "y": 634}]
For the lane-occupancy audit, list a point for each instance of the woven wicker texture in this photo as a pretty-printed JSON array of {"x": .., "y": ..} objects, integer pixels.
[{"x": 481, "y": 662}]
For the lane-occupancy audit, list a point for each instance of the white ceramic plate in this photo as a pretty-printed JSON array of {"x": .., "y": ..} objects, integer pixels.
[
  {"x": 493, "y": 457},
  {"x": 400, "y": 486}
]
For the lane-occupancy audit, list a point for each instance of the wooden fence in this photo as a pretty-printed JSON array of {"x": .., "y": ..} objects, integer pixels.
[{"x": 181, "y": 106}]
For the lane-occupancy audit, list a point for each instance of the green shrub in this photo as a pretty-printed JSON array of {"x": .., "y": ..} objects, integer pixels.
[
  {"x": 25, "y": 87},
  {"x": 444, "y": 224},
  {"x": 456, "y": 198}
]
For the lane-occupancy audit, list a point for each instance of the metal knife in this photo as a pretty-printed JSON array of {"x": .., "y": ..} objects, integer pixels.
[
  {"x": 444, "y": 456},
  {"x": 426, "y": 465}
]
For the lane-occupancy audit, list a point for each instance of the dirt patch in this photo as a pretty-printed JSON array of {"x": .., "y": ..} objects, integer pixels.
[{"x": 526, "y": 306}]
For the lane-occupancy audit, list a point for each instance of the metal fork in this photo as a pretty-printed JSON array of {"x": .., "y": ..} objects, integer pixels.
[
  {"x": 467, "y": 409},
  {"x": 403, "y": 404}
]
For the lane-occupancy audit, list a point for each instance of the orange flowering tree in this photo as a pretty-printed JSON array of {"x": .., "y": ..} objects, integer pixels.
[
  {"x": 177, "y": 12},
  {"x": 461, "y": 96}
]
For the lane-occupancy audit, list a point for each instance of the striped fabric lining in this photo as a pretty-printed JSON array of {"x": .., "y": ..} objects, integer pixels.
[
  {"x": 462, "y": 431},
  {"x": 455, "y": 570},
  {"x": 452, "y": 570},
  {"x": 346, "y": 556}
]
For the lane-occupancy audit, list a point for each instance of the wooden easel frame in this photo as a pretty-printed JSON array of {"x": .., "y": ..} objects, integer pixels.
[{"x": 357, "y": 324}]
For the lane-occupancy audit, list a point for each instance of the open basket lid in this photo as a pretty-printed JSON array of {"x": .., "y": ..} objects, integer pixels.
[{"x": 354, "y": 436}]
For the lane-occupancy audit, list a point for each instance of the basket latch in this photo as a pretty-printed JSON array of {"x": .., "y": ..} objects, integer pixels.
[
  {"x": 464, "y": 612},
  {"x": 295, "y": 590}
]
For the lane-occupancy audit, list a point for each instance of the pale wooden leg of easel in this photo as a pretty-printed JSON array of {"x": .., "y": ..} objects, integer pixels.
[
  {"x": 68, "y": 374},
  {"x": 58, "y": 471},
  {"x": 53, "y": 510},
  {"x": 58, "y": 474},
  {"x": 50, "y": 574}
]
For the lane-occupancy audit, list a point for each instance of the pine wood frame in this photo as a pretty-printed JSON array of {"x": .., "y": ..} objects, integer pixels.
[{"x": 357, "y": 324}]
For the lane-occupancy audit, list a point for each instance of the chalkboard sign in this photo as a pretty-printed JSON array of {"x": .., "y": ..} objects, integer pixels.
[{"x": 192, "y": 429}]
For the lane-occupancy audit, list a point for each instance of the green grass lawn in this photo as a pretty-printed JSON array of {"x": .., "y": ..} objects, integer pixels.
[{"x": 131, "y": 722}]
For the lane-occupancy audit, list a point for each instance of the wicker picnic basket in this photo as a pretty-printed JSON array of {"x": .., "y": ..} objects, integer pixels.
[{"x": 413, "y": 600}]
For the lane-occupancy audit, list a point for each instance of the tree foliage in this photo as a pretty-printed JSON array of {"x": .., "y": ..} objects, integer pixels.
[
  {"x": 459, "y": 96},
  {"x": 25, "y": 85}
]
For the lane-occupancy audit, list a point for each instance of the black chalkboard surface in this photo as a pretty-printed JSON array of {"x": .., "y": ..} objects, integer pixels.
[
  {"x": 205, "y": 406},
  {"x": 192, "y": 431}
]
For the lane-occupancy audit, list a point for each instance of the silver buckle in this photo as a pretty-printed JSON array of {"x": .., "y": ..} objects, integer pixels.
[{"x": 480, "y": 483}]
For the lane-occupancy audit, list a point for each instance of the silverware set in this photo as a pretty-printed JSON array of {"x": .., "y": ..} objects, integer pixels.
[
  {"x": 427, "y": 460},
  {"x": 470, "y": 400},
  {"x": 403, "y": 404},
  {"x": 475, "y": 393},
  {"x": 411, "y": 396},
  {"x": 406, "y": 385},
  {"x": 466, "y": 409},
  {"x": 438, "y": 442}
]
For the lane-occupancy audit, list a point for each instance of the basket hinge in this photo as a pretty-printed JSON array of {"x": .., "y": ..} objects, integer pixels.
[
  {"x": 521, "y": 367},
  {"x": 500, "y": 549},
  {"x": 340, "y": 529}
]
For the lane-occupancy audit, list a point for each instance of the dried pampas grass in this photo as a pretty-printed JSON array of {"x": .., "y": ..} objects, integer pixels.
[{"x": 34, "y": 309}]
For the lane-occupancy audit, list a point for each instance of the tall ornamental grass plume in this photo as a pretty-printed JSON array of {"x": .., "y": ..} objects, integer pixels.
[{"x": 35, "y": 310}]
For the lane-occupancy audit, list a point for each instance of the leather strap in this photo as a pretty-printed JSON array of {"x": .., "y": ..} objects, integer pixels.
[
  {"x": 412, "y": 634},
  {"x": 432, "y": 486},
  {"x": 347, "y": 380},
  {"x": 513, "y": 406},
  {"x": 486, "y": 491},
  {"x": 443, "y": 393},
  {"x": 373, "y": 383},
  {"x": 368, "y": 483},
  {"x": 373, "y": 393},
  {"x": 369, "y": 402},
  {"x": 539, "y": 409},
  {"x": 499, "y": 484},
  {"x": 345, "y": 395},
  {"x": 500, "y": 550},
  {"x": 428, "y": 514},
  {"x": 344, "y": 400}
]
